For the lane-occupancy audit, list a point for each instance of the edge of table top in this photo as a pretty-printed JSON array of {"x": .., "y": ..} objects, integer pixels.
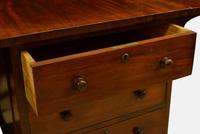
[{"x": 77, "y": 30}]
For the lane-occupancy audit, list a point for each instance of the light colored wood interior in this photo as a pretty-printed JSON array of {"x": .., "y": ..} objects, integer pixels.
[
  {"x": 173, "y": 29},
  {"x": 27, "y": 59},
  {"x": 94, "y": 43}
]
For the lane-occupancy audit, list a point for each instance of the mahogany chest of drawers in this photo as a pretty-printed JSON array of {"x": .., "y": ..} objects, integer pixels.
[{"x": 92, "y": 67}]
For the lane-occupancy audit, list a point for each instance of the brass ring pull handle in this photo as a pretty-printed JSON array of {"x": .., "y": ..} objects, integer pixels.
[
  {"x": 80, "y": 84},
  {"x": 165, "y": 62},
  {"x": 141, "y": 93},
  {"x": 138, "y": 130}
]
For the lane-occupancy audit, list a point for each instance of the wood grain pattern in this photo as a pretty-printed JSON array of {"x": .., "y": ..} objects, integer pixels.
[
  {"x": 95, "y": 107},
  {"x": 164, "y": 108},
  {"x": 20, "y": 104},
  {"x": 29, "y": 86},
  {"x": 23, "y": 22},
  {"x": 97, "y": 68},
  {"x": 151, "y": 123},
  {"x": 47, "y": 123}
]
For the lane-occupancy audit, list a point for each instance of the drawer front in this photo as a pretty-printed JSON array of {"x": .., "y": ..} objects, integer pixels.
[
  {"x": 55, "y": 83},
  {"x": 151, "y": 123},
  {"x": 83, "y": 111}
]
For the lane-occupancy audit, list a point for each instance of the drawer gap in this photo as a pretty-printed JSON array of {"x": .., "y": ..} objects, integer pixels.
[
  {"x": 50, "y": 73},
  {"x": 88, "y": 44}
]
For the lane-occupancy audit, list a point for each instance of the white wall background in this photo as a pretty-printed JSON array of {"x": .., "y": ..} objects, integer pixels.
[{"x": 185, "y": 102}]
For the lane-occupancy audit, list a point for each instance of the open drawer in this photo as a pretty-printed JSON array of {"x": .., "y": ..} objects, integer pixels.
[{"x": 124, "y": 61}]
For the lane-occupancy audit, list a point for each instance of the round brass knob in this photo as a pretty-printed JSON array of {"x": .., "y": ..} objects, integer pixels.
[
  {"x": 125, "y": 57},
  {"x": 165, "y": 62},
  {"x": 141, "y": 93},
  {"x": 138, "y": 130},
  {"x": 80, "y": 84}
]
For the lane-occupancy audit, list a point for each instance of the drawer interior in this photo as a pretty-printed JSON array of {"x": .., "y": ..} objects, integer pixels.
[{"x": 88, "y": 44}]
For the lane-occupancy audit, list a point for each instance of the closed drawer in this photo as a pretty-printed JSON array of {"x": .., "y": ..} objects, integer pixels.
[
  {"x": 151, "y": 123},
  {"x": 95, "y": 107},
  {"x": 166, "y": 53}
]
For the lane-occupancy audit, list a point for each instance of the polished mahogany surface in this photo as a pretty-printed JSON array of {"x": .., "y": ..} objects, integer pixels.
[{"x": 24, "y": 21}]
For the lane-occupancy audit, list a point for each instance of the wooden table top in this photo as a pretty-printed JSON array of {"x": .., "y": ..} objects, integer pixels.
[{"x": 25, "y": 21}]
